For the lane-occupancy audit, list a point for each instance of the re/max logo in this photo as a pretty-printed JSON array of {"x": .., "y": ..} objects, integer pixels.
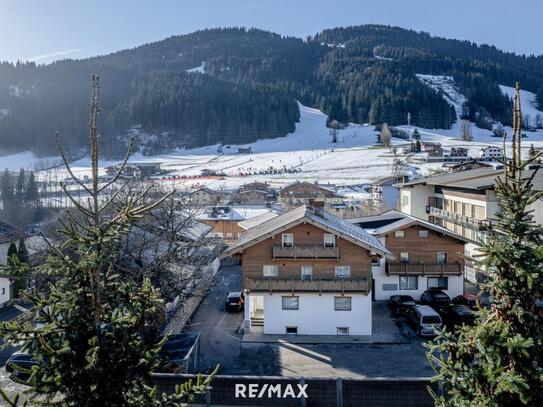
[{"x": 255, "y": 390}]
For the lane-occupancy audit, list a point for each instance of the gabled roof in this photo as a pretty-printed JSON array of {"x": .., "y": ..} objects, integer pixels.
[
  {"x": 257, "y": 220},
  {"x": 407, "y": 221},
  {"x": 10, "y": 233},
  {"x": 327, "y": 191},
  {"x": 302, "y": 214}
]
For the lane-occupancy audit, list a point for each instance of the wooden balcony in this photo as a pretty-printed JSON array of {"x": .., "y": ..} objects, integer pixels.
[
  {"x": 292, "y": 286},
  {"x": 424, "y": 269},
  {"x": 305, "y": 252}
]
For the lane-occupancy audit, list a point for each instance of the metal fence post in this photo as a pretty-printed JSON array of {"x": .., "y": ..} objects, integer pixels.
[
  {"x": 339, "y": 392},
  {"x": 303, "y": 401},
  {"x": 208, "y": 396}
]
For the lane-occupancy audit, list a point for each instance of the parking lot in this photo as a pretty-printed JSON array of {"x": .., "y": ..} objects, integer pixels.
[{"x": 221, "y": 344}]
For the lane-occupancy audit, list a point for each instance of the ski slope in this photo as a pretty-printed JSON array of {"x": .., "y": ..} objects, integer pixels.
[{"x": 528, "y": 102}]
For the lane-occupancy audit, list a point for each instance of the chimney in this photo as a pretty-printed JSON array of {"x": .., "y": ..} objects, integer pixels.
[{"x": 317, "y": 207}]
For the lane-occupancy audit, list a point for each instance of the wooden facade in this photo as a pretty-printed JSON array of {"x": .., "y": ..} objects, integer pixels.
[
  {"x": 228, "y": 229},
  {"x": 424, "y": 250},
  {"x": 311, "y": 238}
]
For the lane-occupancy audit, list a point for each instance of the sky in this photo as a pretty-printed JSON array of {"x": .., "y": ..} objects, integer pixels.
[{"x": 46, "y": 30}]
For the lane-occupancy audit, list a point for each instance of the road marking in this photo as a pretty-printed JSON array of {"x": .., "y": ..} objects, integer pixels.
[{"x": 230, "y": 335}]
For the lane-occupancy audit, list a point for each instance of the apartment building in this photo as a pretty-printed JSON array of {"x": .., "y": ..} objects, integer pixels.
[
  {"x": 302, "y": 193},
  {"x": 308, "y": 272},
  {"x": 462, "y": 202},
  {"x": 426, "y": 256}
]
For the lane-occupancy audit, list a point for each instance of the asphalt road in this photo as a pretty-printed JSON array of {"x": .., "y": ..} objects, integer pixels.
[{"x": 221, "y": 344}]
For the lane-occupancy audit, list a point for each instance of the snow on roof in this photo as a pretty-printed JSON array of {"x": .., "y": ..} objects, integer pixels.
[
  {"x": 257, "y": 220},
  {"x": 236, "y": 213},
  {"x": 9, "y": 233},
  {"x": 304, "y": 213}
]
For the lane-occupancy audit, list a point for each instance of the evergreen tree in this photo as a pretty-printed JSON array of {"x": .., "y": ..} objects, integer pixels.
[
  {"x": 22, "y": 253},
  {"x": 98, "y": 343},
  {"x": 417, "y": 147},
  {"x": 499, "y": 361},
  {"x": 532, "y": 152},
  {"x": 12, "y": 251},
  {"x": 416, "y": 135}
]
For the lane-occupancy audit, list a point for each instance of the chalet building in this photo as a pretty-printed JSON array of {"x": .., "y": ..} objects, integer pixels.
[
  {"x": 427, "y": 256},
  {"x": 139, "y": 170},
  {"x": 255, "y": 193},
  {"x": 467, "y": 165},
  {"x": 226, "y": 220},
  {"x": 206, "y": 197},
  {"x": 457, "y": 154},
  {"x": 302, "y": 193},
  {"x": 8, "y": 234},
  {"x": 307, "y": 272},
  {"x": 491, "y": 153},
  {"x": 463, "y": 203}
]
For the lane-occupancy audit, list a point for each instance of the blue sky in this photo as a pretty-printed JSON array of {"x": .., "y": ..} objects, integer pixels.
[{"x": 43, "y": 30}]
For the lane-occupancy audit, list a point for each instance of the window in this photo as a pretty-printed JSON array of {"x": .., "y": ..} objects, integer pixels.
[
  {"x": 290, "y": 303},
  {"x": 287, "y": 240},
  {"x": 405, "y": 199},
  {"x": 343, "y": 331},
  {"x": 404, "y": 257},
  {"x": 307, "y": 272},
  {"x": 3, "y": 290},
  {"x": 270, "y": 270},
  {"x": 229, "y": 235},
  {"x": 441, "y": 283},
  {"x": 423, "y": 233},
  {"x": 291, "y": 330},
  {"x": 343, "y": 271},
  {"x": 441, "y": 257},
  {"x": 329, "y": 240},
  {"x": 409, "y": 282},
  {"x": 399, "y": 233},
  {"x": 375, "y": 261},
  {"x": 342, "y": 303}
]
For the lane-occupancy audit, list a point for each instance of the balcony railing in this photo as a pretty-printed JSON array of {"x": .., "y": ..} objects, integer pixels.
[
  {"x": 305, "y": 252},
  {"x": 459, "y": 219},
  {"x": 424, "y": 269}
]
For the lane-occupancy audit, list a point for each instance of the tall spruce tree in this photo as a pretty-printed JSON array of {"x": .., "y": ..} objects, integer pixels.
[
  {"x": 97, "y": 344},
  {"x": 499, "y": 361}
]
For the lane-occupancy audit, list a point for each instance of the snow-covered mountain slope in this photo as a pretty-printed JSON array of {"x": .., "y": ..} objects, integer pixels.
[
  {"x": 306, "y": 154},
  {"x": 528, "y": 102},
  {"x": 198, "y": 69},
  {"x": 447, "y": 87}
]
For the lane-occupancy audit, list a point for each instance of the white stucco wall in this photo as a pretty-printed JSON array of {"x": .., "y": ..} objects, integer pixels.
[
  {"x": 4, "y": 291},
  {"x": 417, "y": 197},
  {"x": 316, "y": 314}
]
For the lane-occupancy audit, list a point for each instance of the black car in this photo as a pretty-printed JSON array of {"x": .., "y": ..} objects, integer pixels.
[
  {"x": 400, "y": 304},
  {"x": 457, "y": 314},
  {"x": 23, "y": 360},
  {"x": 436, "y": 299},
  {"x": 234, "y": 301}
]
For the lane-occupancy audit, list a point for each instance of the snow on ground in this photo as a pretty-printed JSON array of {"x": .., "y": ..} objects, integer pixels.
[
  {"x": 528, "y": 102},
  {"x": 27, "y": 160},
  {"x": 199, "y": 69},
  {"x": 445, "y": 85}
]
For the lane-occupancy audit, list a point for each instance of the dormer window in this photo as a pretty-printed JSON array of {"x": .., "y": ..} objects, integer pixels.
[
  {"x": 329, "y": 240},
  {"x": 287, "y": 240}
]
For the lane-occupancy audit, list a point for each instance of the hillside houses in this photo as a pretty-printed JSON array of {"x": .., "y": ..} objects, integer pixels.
[
  {"x": 9, "y": 235},
  {"x": 302, "y": 193}
]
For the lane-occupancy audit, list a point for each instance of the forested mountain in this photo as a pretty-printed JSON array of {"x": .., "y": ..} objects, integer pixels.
[{"x": 251, "y": 82}]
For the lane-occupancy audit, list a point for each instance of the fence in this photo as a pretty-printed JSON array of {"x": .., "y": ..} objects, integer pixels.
[{"x": 321, "y": 392}]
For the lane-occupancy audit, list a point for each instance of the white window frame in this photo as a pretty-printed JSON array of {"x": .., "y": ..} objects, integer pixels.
[
  {"x": 331, "y": 240},
  {"x": 270, "y": 270},
  {"x": 399, "y": 233},
  {"x": 404, "y": 259},
  {"x": 340, "y": 269},
  {"x": 305, "y": 271},
  {"x": 341, "y": 307},
  {"x": 345, "y": 330},
  {"x": 290, "y": 308},
  {"x": 284, "y": 238},
  {"x": 438, "y": 286},
  {"x": 424, "y": 233},
  {"x": 408, "y": 286}
]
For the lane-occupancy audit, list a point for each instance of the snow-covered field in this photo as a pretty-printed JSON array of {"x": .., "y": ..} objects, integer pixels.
[{"x": 308, "y": 153}]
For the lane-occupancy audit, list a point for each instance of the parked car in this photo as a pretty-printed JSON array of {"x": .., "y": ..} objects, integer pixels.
[
  {"x": 425, "y": 320},
  {"x": 23, "y": 360},
  {"x": 457, "y": 314},
  {"x": 468, "y": 300},
  {"x": 234, "y": 301},
  {"x": 437, "y": 299},
  {"x": 400, "y": 304}
]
